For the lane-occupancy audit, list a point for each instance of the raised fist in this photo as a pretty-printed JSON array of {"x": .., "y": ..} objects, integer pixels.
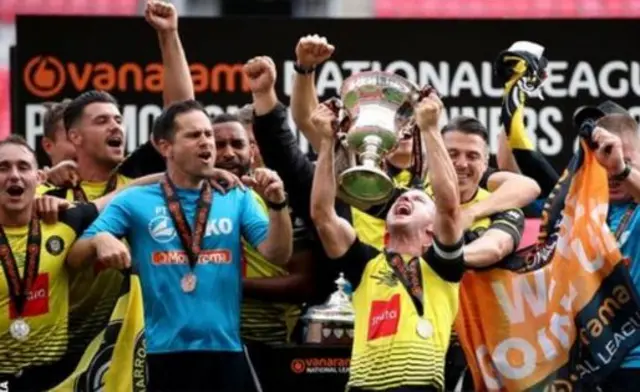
[
  {"x": 261, "y": 73},
  {"x": 428, "y": 112},
  {"x": 313, "y": 50},
  {"x": 161, "y": 15}
]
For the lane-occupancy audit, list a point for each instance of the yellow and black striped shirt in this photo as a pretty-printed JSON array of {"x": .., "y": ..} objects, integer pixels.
[
  {"x": 266, "y": 321},
  {"x": 47, "y": 304},
  {"x": 387, "y": 351},
  {"x": 93, "y": 290}
]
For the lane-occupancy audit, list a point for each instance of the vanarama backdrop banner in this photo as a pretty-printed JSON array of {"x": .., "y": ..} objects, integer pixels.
[
  {"x": 121, "y": 55},
  {"x": 567, "y": 324}
]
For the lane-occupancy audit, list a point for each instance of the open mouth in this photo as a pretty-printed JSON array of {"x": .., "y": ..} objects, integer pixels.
[
  {"x": 15, "y": 191},
  {"x": 403, "y": 209},
  {"x": 205, "y": 155},
  {"x": 115, "y": 141}
]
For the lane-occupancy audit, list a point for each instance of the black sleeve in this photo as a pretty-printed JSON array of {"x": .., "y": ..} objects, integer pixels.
[
  {"x": 301, "y": 236},
  {"x": 280, "y": 152},
  {"x": 446, "y": 260},
  {"x": 511, "y": 222},
  {"x": 484, "y": 180},
  {"x": 533, "y": 164},
  {"x": 57, "y": 192},
  {"x": 143, "y": 161},
  {"x": 79, "y": 217},
  {"x": 355, "y": 260}
]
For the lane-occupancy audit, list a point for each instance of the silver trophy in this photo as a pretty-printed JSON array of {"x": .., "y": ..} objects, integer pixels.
[
  {"x": 332, "y": 322},
  {"x": 376, "y": 113}
]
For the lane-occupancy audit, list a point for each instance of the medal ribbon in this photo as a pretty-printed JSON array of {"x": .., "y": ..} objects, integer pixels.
[
  {"x": 410, "y": 276},
  {"x": 191, "y": 242},
  {"x": 81, "y": 196},
  {"x": 19, "y": 287},
  {"x": 625, "y": 220}
]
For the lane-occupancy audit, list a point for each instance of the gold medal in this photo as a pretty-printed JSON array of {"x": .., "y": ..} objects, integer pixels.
[
  {"x": 424, "y": 328},
  {"x": 188, "y": 282},
  {"x": 19, "y": 330}
]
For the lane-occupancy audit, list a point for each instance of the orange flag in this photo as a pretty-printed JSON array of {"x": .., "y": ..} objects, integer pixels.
[{"x": 567, "y": 315}]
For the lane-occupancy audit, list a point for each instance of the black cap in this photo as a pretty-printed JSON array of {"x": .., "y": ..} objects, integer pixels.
[{"x": 594, "y": 113}]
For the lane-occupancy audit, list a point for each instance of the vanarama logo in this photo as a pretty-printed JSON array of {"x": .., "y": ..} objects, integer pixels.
[
  {"x": 320, "y": 365},
  {"x": 47, "y": 76}
]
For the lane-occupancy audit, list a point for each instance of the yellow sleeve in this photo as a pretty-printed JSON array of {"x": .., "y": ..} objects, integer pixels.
[
  {"x": 513, "y": 104},
  {"x": 43, "y": 188}
]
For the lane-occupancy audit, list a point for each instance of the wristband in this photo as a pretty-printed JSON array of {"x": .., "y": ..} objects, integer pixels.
[
  {"x": 303, "y": 70},
  {"x": 278, "y": 206},
  {"x": 623, "y": 174}
]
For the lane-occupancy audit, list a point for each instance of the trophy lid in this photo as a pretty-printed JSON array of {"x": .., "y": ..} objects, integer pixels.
[{"x": 338, "y": 307}]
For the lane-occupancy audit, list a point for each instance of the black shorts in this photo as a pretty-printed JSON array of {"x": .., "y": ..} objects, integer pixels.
[
  {"x": 37, "y": 378},
  {"x": 199, "y": 371}
]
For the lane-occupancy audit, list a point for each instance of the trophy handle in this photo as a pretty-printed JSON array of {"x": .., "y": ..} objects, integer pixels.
[{"x": 418, "y": 169}]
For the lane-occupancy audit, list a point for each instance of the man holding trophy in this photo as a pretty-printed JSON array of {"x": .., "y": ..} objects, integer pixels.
[
  {"x": 406, "y": 296},
  {"x": 371, "y": 188}
]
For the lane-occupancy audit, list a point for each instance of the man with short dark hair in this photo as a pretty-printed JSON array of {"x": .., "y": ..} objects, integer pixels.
[
  {"x": 406, "y": 295},
  {"x": 186, "y": 245},
  {"x": 54, "y": 140},
  {"x": 34, "y": 281},
  {"x": 245, "y": 115},
  {"x": 272, "y": 295},
  {"x": 94, "y": 125}
]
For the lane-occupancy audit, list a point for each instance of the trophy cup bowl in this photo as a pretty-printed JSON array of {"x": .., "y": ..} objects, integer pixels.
[
  {"x": 379, "y": 106},
  {"x": 332, "y": 322}
]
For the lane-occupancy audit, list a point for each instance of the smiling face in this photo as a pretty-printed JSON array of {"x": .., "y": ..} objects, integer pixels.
[
  {"x": 468, "y": 153},
  {"x": 414, "y": 210},
  {"x": 18, "y": 177}
]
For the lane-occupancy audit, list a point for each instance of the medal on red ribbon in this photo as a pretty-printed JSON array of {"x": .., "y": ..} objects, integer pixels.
[
  {"x": 191, "y": 241},
  {"x": 411, "y": 278},
  {"x": 18, "y": 286},
  {"x": 81, "y": 196}
]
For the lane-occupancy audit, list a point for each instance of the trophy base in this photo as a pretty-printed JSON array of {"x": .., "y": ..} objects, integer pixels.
[{"x": 367, "y": 184}]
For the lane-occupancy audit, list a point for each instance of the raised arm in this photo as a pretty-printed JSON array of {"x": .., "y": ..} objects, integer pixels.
[
  {"x": 336, "y": 234},
  {"x": 442, "y": 175},
  {"x": 311, "y": 51},
  {"x": 277, "y": 143},
  {"x": 178, "y": 85},
  {"x": 517, "y": 152}
]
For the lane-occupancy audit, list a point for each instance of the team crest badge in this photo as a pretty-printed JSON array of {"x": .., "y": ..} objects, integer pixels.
[{"x": 55, "y": 245}]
